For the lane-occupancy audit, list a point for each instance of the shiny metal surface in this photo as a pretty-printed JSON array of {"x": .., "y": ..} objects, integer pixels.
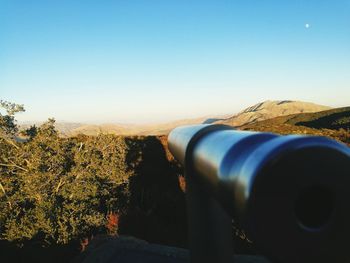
[{"x": 290, "y": 193}]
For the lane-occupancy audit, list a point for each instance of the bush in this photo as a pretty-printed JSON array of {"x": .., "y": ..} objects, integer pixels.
[{"x": 54, "y": 190}]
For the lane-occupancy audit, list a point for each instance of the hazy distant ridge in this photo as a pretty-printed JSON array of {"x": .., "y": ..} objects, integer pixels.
[{"x": 258, "y": 112}]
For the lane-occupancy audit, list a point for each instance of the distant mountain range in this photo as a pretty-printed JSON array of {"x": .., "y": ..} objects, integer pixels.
[{"x": 256, "y": 113}]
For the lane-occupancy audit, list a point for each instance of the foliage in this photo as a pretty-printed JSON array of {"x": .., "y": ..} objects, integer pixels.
[
  {"x": 7, "y": 122},
  {"x": 55, "y": 190}
]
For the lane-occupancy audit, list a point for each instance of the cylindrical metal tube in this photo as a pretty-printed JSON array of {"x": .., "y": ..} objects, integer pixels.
[{"x": 290, "y": 193}]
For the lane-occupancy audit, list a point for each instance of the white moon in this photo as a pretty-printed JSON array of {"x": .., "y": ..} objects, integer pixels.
[{"x": 307, "y": 25}]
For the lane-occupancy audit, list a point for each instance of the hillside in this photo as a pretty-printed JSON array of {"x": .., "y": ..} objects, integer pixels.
[
  {"x": 64, "y": 128},
  {"x": 331, "y": 119},
  {"x": 121, "y": 129},
  {"x": 270, "y": 109},
  {"x": 259, "y": 112},
  {"x": 99, "y": 129},
  {"x": 333, "y": 123},
  {"x": 165, "y": 128},
  {"x": 126, "y": 129}
]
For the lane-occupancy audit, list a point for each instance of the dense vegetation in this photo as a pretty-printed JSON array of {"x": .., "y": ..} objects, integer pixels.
[{"x": 57, "y": 191}]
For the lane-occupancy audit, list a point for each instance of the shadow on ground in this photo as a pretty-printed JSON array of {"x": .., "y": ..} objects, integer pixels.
[{"x": 157, "y": 204}]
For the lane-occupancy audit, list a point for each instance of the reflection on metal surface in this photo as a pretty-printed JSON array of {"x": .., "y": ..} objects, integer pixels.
[{"x": 291, "y": 193}]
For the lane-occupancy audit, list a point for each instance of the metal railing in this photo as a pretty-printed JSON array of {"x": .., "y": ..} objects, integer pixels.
[{"x": 290, "y": 193}]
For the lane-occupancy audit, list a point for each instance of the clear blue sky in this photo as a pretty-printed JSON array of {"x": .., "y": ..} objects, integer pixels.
[{"x": 155, "y": 60}]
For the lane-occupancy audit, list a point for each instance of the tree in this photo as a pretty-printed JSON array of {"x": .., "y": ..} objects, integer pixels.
[{"x": 7, "y": 122}]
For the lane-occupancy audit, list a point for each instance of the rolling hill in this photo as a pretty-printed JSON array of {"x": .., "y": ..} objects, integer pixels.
[
  {"x": 259, "y": 112},
  {"x": 270, "y": 109},
  {"x": 99, "y": 129},
  {"x": 334, "y": 123}
]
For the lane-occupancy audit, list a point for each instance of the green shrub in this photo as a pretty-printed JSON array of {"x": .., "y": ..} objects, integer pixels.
[{"x": 54, "y": 190}]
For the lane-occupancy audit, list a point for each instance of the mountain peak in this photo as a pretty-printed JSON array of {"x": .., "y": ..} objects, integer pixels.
[{"x": 271, "y": 108}]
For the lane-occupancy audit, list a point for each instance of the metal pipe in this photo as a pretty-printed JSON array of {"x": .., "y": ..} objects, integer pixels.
[{"x": 290, "y": 193}]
